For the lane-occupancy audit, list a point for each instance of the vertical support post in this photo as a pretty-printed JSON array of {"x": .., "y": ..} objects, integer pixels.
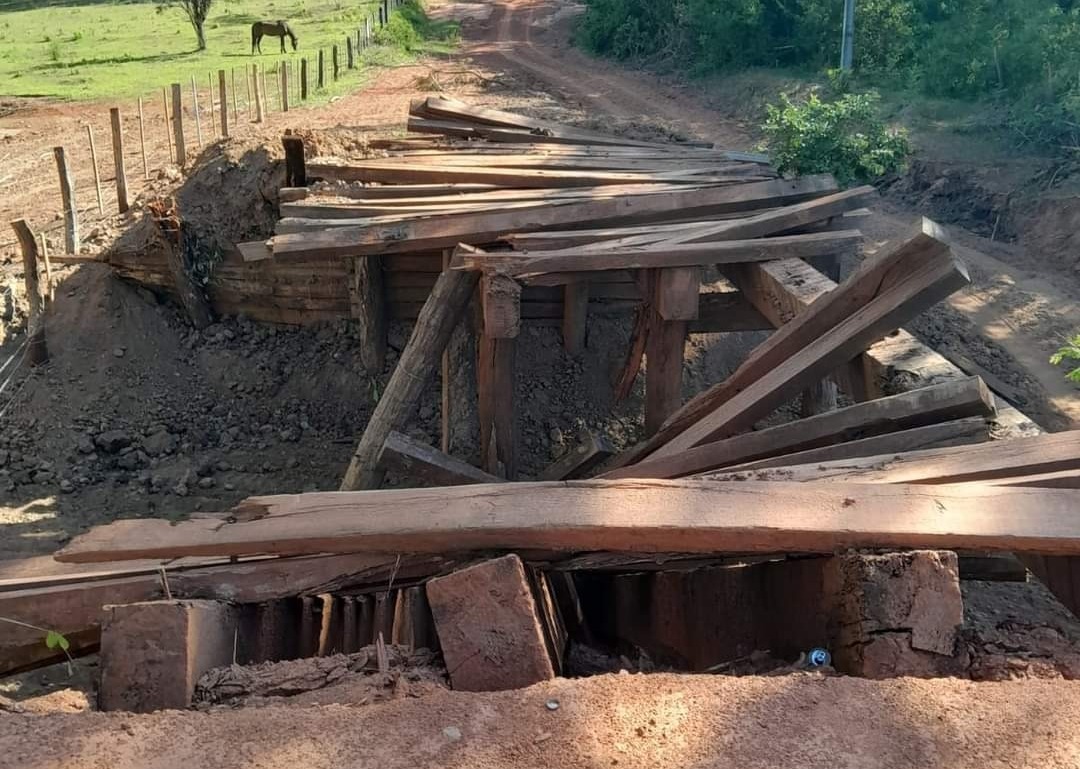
[
  {"x": 142, "y": 142},
  {"x": 303, "y": 79},
  {"x": 247, "y": 90},
  {"x": 168, "y": 125},
  {"x": 444, "y": 419},
  {"x": 195, "y": 105},
  {"x": 495, "y": 408},
  {"x": 49, "y": 286},
  {"x": 36, "y": 352},
  {"x": 265, "y": 90},
  {"x": 359, "y": 41},
  {"x": 284, "y": 87},
  {"x": 178, "y": 123},
  {"x": 675, "y": 303},
  {"x": 381, "y": 22},
  {"x": 334, "y": 57},
  {"x": 821, "y": 397},
  {"x": 322, "y": 77},
  {"x": 94, "y": 165},
  {"x": 847, "y": 50},
  {"x": 295, "y": 172},
  {"x": 224, "y": 104},
  {"x": 118, "y": 159},
  {"x": 367, "y": 302},
  {"x": 258, "y": 96},
  {"x": 575, "y": 316},
  {"x": 67, "y": 194},
  {"x": 349, "y": 61}
]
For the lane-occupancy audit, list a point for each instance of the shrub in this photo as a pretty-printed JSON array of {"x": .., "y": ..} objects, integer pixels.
[
  {"x": 842, "y": 136},
  {"x": 1069, "y": 352},
  {"x": 398, "y": 32}
]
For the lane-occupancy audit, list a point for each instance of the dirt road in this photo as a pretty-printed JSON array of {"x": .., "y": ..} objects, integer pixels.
[{"x": 1004, "y": 326}]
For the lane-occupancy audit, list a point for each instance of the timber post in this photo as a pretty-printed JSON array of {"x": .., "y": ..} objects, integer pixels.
[
  {"x": 36, "y": 352},
  {"x": 67, "y": 193},
  {"x": 118, "y": 160},
  {"x": 94, "y": 165},
  {"x": 178, "y": 124}
]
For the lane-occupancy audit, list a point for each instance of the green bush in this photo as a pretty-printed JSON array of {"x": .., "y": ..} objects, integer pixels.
[
  {"x": 1070, "y": 351},
  {"x": 843, "y": 136},
  {"x": 398, "y": 32}
]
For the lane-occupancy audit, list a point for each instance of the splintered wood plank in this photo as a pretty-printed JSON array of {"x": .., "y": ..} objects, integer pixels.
[
  {"x": 631, "y": 516},
  {"x": 958, "y": 399},
  {"x": 921, "y": 289},
  {"x": 477, "y": 228},
  {"x": 1049, "y": 453},
  {"x": 830, "y": 310},
  {"x": 419, "y": 360},
  {"x": 413, "y": 459}
]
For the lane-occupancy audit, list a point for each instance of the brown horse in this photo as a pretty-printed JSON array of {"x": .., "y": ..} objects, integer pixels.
[{"x": 278, "y": 29}]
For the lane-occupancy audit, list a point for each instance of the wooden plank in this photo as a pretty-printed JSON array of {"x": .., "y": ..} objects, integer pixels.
[
  {"x": 958, "y": 432},
  {"x": 921, "y": 289},
  {"x": 501, "y": 305},
  {"x": 447, "y": 231},
  {"x": 367, "y": 303},
  {"x": 837, "y": 307},
  {"x": 440, "y": 314},
  {"x": 926, "y": 406},
  {"x": 412, "y": 459},
  {"x": 685, "y": 255},
  {"x": 578, "y": 461},
  {"x": 1051, "y": 453},
  {"x": 632, "y": 516}
]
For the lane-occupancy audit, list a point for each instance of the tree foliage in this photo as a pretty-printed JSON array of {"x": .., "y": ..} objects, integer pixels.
[
  {"x": 1070, "y": 351},
  {"x": 196, "y": 11},
  {"x": 1024, "y": 53},
  {"x": 841, "y": 136}
]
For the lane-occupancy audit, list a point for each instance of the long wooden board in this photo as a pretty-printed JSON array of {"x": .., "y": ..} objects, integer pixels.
[{"x": 634, "y": 516}]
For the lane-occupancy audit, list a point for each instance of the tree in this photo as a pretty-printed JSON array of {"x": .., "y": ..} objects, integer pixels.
[{"x": 197, "y": 11}]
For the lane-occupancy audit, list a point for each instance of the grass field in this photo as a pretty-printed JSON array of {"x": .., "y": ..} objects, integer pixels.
[{"x": 100, "y": 49}]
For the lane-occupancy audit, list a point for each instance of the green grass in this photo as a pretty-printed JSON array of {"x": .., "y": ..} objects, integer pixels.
[{"x": 101, "y": 50}]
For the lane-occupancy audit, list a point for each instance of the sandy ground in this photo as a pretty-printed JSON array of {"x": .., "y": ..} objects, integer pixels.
[{"x": 652, "y": 721}]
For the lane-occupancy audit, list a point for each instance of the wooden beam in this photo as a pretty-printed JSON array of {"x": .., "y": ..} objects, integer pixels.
[
  {"x": 632, "y": 516},
  {"x": 664, "y": 348},
  {"x": 478, "y": 228},
  {"x": 440, "y": 314},
  {"x": 724, "y": 311},
  {"x": 578, "y": 461},
  {"x": 660, "y": 255},
  {"x": 929, "y": 405},
  {"x": 413, "y": 459},
  {"x": 839, "y": 306},
  {"x": 367, "y": 306},
  {"x": 958, "y": 432},
  {"x": 1051, "y": 453},
  {"x": 677, "y": 293},
  {"x": 921, "y": 289},
  {"x": 575, "y": 323}
]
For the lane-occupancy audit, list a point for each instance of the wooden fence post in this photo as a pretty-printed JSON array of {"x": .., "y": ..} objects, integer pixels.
[
  {"x": 247, "y": 91},
  {"x": 36, "y": 352},
  {"x": 258, "y": 96},
  {"x": 168, "y": 126},
  {"x": 235, "y": 97},
  {"x": 334, "y": 56},
  {"x": 198, "y": 117},
  {"x": 322, "y": 77},
  {"x": 284, "y": 87},
  {"x": 178, "y": 123},
  {"x": 349, "y": 61},
  {"x": 212, "y": 126},
  {"x": 382, "y": 23},
  {"x": 359, "y": 41},
  {"x": 303, "y": 79},
  {"x": 118, "y": 159},
  {"x": 67, "y": 192},
  {"x": 142, "y": 142},
  {"x": 93, "y": 163},
  {"x": 224, "y": 104},
  {"x": 49, "y": 286},
  {"x": 265, "y": 90}
]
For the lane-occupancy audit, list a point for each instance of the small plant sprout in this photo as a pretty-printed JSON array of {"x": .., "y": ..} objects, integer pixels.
[
  {"x": 1070, "y": 351},
  {"x": 53, "y": 639}
]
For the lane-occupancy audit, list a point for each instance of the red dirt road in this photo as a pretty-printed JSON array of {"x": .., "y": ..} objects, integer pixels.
[{"x": 623, "y": 721}]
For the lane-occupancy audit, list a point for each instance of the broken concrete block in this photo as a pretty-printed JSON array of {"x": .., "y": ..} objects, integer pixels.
[
  {"x": 489, "y": 627},
  {"x": 153, "y": 652},
  {"x": 894, "y": 614}
]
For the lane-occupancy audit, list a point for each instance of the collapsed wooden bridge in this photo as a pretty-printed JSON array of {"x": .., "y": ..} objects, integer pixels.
[{"x": 533, "y": 222}]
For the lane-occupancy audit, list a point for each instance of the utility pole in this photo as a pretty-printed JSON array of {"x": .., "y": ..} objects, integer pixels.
[{"x": 847, "y": 48}]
